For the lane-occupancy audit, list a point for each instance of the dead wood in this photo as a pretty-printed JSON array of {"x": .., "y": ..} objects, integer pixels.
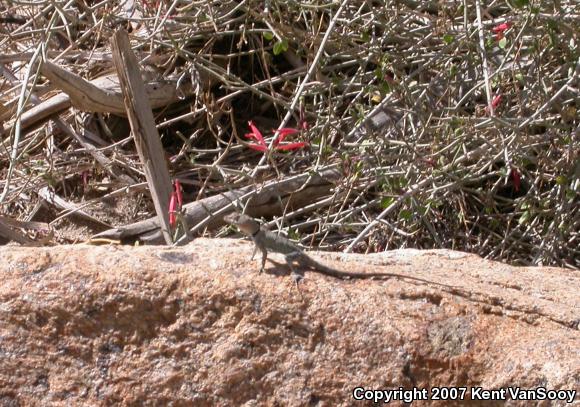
[
  {"x": 101, "y": 95},
  {"x": 143, "y": 129},
  {"x": 271, "y": 199}
]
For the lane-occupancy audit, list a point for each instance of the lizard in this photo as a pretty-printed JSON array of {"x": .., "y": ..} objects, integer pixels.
[{"x": 265, "y": 240}]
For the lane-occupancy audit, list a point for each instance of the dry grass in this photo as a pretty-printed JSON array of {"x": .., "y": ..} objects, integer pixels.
[{"x": 448, "y": 136}]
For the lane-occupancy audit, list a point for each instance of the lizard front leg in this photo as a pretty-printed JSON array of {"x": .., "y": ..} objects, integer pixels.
[
  {"x": 264, "y": 257},
  {"x": 255, "y": 251}
]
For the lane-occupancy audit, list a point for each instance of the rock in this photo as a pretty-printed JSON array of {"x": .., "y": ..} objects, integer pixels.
[{"x": 197, "y": 325}]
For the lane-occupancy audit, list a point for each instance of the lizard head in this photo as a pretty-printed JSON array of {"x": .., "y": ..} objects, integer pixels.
[{"x": 246, "y": 224}]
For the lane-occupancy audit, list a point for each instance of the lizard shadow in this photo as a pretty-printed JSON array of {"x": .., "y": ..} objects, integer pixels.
[
  {"x": 283, "y": 270},
  {"x": 279, "y": 269}
]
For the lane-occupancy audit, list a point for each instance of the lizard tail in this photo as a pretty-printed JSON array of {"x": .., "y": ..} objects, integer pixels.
[{"x": 329, "y": 271}]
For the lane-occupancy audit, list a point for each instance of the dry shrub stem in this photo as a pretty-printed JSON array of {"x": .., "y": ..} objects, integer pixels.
[{"x": 455, "y": 124}]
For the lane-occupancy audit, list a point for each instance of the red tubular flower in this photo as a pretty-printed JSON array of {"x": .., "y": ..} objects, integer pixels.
[
  {"x": 389, "y": 79},
  {"x": 291, "y": 146},
  {"x": 302, "y": 123},
  {"x": 499, "y": 30},
  {"x": 175, "y": 202},
  {"x": 85, "y": 177},
  {"x": 177, "y": 185},
  {"x": 172, "y": 204},
  {"x": 282, "y": 134},
  {"x": 257, "y": 147},
  {"x": 494, "y": 103},
  {"x": 501, "y": 27},
  {"x": 256, "y": 135},
  {"x": 516, "y": 179}
]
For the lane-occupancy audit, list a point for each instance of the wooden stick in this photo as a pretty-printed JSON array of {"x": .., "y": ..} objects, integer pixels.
[{"x": 143, "y": 127}]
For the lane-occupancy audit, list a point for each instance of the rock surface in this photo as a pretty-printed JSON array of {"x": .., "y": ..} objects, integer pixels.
[{"x": 92, "y": 326}]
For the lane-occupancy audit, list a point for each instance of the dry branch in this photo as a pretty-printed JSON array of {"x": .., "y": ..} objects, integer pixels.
[
  {"x": 100, "y": 95},
  {"x": 143, "y": 128},
  {"x": 268, "y": 200},
  {"x": 393, "y": 94}
]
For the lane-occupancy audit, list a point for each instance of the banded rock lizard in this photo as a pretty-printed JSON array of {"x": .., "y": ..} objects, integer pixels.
[{"x": 265, "y": 240}]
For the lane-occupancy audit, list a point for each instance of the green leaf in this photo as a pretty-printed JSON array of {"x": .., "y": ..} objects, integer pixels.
[
  {"x": 386, "y": 202},
  {"x": 489, "y": 43},
  {"x": 525, "y": 217},
  {"x": 435, "y": 203},
  {"x": 561, "y": 180},
  {"x": 566, "y": 140},
  {"x": 520, "y": 3},
  {"x": 552, "y": 25},
  {"x": 385, "y": 88},
  {"x": 502, "y": 43},
  {"x": 456, "y": 122},
  {"x": 293, "y": 234},
  {"x": 268, "y": 35},
  {"x": 452, "y": 70},
  {"x": 448, "y": 38},
  {"x": 280, "y": 47},
  {"x": 406, "y": 214}
]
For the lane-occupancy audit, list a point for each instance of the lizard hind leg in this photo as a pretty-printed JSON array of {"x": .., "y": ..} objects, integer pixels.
[{"x": 296, "y": 275}]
